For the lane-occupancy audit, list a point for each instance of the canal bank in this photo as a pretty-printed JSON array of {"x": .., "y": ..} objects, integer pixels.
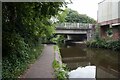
[
  {"x": 81, "y": 61},
  {"x": 60, "y": 69}
]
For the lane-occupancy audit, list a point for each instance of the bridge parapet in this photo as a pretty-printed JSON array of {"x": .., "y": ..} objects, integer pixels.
[{"x": 74, "y": 26}]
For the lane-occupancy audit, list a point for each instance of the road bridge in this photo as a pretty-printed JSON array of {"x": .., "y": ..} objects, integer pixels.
[{"x": 76, "y": 31}]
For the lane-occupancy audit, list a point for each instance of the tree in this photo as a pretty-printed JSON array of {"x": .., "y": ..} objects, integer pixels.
[
  {"x": 74, "y": 16},
  {"x": 61, "y": 17},
  {"x": 29, "y": 20},
  {"x": 24, "y": 27}
]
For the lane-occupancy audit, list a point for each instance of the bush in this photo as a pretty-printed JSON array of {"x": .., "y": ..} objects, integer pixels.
[
  {"x": 58, "y": 39},
  {"x": 114, "y": 45},
  {"x": 18, "y": 56},
  {"x": 13, "y": 66},
  {"x": 61, "y": 70}
]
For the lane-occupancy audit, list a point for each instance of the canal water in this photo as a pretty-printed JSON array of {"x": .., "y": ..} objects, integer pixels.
[{"x": 90, "y": 62}]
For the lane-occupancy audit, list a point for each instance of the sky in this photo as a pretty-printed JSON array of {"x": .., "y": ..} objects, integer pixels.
[{"x": 88, "y": 7}]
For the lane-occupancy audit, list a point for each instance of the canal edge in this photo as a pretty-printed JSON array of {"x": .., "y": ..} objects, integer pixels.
[{"x": 58, "y": 66}]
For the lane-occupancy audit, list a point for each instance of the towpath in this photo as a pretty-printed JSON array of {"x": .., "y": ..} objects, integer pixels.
[{"x": 42, "y": 68}]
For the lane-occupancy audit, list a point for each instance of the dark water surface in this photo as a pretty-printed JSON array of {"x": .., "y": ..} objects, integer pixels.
[{"x": 104, "y": 61}]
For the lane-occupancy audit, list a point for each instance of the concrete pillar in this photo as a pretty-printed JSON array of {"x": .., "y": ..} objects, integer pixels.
[
  {"x": 69, "y": 37},
  {"x": 93, "y": 32},
  {"x": 88, "y": 35}
]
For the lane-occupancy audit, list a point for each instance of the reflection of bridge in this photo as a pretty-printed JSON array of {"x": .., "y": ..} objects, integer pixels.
[{"x": 76, "y": 31}]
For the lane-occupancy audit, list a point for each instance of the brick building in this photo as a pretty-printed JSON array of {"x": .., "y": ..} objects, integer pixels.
[{"x": 109, "y": 19}]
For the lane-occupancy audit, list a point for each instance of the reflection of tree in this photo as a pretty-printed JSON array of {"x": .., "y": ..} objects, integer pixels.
[{"x": 73, "y": 52}]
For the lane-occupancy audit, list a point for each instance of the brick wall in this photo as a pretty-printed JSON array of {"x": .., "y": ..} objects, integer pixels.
[
  {"x": 103, "y": 31},
  {"x": 116, "y": 32}
]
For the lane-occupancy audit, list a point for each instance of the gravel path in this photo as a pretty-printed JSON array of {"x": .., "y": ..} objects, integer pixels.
[{"x": 42, "y": 68}]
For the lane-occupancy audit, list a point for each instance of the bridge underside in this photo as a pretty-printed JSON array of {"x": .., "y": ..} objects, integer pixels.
[
  {"x": 77, "y": 37},
  {"x": 74, "y": 37}
]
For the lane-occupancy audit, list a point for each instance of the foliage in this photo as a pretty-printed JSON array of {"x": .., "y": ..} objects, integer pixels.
[
  {"x": 109, "y": 32},
  {"x": 61, "y": 70},
  {"x": 25, "y": 26},
  {"x": 74, "y": 16},
  {"x": 113, "y": 45},
  {"x": 61, "y": 17},
  {"x": 97, "y": 32},
  {"x": 55, "y": 64},
  {"x": 107, "y": 43},
  {"x": 14, "y": 66},
  {"x": 58, "y": 39}
]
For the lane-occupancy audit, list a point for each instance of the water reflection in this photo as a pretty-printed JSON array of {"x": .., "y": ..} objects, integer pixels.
[
  {"x": 104, "y": 61},
  {"x": 83, "y": 72}
]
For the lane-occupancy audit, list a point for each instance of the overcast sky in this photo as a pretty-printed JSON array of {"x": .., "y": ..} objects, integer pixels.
[{"x": 88, "y": 7}]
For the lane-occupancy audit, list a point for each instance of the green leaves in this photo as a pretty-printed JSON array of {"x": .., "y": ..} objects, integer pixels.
[
  {"x": 61, "y": 70},
  {"x": 62, "y": 16},
  {"x": 74, "y": 16},
  {"x": 113, "y": 45},
  {"x": 24, "y": 26}
]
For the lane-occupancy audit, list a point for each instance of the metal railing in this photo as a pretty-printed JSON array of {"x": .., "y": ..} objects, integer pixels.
[{"x": 74, "y": 26}]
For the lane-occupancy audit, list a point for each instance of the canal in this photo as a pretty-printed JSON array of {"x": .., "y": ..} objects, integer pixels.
[{"x": 86, "y": 62}]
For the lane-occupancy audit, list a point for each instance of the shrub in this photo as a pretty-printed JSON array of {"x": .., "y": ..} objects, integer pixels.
[
  {"x": 18, "y": 56},
  {"x": 61, "y": 71},
  {"x": 114, "y": 45}
]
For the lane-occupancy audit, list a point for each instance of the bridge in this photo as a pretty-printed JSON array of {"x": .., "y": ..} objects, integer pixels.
[{"x": 76, "y": 31}]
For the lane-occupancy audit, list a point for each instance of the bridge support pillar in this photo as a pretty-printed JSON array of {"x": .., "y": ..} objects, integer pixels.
[
  {"x": 69, "y": 37},
  {"x": 89, "y": 35}
]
